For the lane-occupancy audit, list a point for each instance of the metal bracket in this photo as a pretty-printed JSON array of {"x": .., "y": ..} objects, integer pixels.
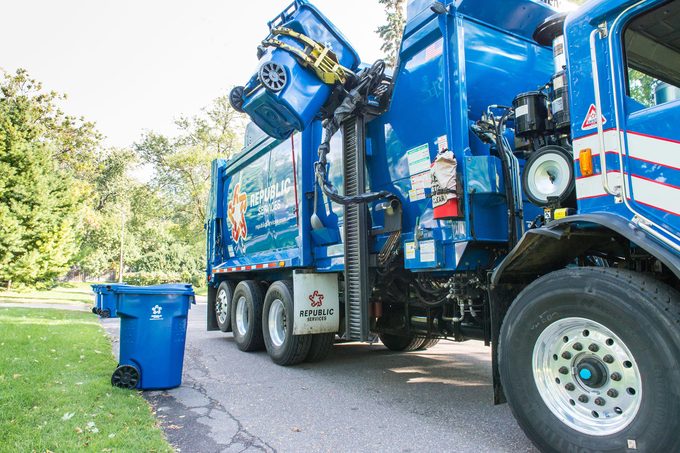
[{"x": 319, "y": 58}]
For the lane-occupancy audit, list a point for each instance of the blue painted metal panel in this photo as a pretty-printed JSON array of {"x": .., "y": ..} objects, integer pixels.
[
  {"x": 649, "y": 136},
  {"x": 452, "y": 67}
]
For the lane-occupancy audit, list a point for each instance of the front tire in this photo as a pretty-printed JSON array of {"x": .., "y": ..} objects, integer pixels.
[
  {"x": 588, "y": 362},
  {"x": 283, "y": 347},
  {"x": 246, "y": 312}
]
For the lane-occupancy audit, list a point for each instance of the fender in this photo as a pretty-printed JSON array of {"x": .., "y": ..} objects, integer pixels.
[{"x": 552, "y": 247}]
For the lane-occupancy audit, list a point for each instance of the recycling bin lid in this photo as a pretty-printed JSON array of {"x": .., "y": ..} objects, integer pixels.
[
  {"x": 185, "y": 289},
  {"x": 102, "y": 287}
]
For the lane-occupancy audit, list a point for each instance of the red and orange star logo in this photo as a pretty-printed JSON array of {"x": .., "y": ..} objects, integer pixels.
[
  {"x": 237, "y": 214},
  {"x": 316, "y": 299}
]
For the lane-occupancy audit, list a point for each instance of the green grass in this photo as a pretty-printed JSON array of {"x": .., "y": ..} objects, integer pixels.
[
  {"x": 55, "y": 391},
  {"x": 68, "y": 293}
]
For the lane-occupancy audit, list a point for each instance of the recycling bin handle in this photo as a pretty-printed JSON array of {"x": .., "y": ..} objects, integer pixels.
[{"x": 283, "y": 17}]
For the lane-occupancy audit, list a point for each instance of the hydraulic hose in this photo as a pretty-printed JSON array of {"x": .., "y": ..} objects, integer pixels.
[{"x": 368, "y": 81}]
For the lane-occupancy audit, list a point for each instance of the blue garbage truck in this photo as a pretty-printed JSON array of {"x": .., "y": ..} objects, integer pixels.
[{"x": 514, "y": 178}]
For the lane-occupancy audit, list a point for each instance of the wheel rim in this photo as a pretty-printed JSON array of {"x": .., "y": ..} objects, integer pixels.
[
  {"x": 277, "y": 323},
  {"x": 222, "y": 306},
  {"x": 242, "y": 321},
  {"x": 587, "y": 376}
]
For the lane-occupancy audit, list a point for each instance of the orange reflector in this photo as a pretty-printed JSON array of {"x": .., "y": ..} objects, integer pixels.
[
  {"x": 282, "y": 263},
  {"x": 586, "y": 162}
]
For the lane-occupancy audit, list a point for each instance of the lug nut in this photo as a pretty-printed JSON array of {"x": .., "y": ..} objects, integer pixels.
[
  {"x": 599, "y": 401},
  {"x": 594, "y": 348},
  {"x": 566, "y": 355},
  {"x": 570, "y": 387},
  {"x": 583, "y": 399},
  {"x": 564, "y": 370},
  {"x": 608, "y": 359},
  {"x": 613, "y": 393},
  {"x": 578, "y": 346},
  {"x": 616, "y": 376}
]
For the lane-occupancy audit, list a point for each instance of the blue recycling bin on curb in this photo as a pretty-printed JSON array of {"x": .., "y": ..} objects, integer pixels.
[
  {"x": 105, "y": 299},
  {"x": 153, "y": 326}
]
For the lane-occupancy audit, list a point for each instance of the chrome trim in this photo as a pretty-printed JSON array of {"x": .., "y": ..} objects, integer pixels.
[{"x": 598, "y": 106}]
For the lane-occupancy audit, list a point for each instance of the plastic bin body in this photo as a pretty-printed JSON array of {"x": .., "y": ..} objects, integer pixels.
[
  {"x": 296, "y": 105},
  {"x": 153, "y": 325},
  {"x": 105, "y": 299}
]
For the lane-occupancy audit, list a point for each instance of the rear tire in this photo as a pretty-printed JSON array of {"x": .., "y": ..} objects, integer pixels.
[
  {"x": 283, "y": 347},
  {"x": 246, "y": 312},
  {"x": 588, "y": 360},
  {"x": 428, "y": 343},
  {"x": 400, "y": 343},
  {"x": 321, "y": 346},
  {"x": 225, "y": 294}
]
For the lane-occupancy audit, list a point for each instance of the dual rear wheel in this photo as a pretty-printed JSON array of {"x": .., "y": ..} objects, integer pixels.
[{"x": 264, "y": 320}]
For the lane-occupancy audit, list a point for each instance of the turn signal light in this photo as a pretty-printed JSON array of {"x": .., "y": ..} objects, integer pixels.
[{"x": 586, "y": 162}]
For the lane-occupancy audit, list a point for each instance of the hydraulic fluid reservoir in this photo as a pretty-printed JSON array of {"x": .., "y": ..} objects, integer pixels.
[
  {"x": 300, "y": 62},
  {"x": 551, "y": 32},
  {"x": 559, "y": 102},
  {"x": 531, "y": 114}
]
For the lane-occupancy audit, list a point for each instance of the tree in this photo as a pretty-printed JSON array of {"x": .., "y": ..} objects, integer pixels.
[
  {"x": 392, "y": 32},
  {"x": 42, "y": 151},
  {"x": 172, "y": 239}
]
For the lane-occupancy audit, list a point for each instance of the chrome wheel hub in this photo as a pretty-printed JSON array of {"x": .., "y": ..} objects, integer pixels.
[
  {"x": 222, "y": 306},
  {"x": 587, "y": 376},
  {"x": 242, "y": 321},
  {"x": 277, "y": 323}
]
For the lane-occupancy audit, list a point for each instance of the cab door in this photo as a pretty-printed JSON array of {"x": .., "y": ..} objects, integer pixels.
[{"x": 646, "y": 49}]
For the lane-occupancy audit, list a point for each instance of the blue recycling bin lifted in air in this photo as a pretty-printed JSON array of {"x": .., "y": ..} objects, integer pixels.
[
  {"x": 285, "y": 94},
  {"x": 153, "y": 326},
  {"x": 105, "y": 299}
]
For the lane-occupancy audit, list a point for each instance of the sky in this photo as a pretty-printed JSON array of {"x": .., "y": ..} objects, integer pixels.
[{"x": 135, "y": 65}]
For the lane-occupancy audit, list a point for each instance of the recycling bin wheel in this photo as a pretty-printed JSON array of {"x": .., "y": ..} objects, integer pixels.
[
  {"x": 105, "y": 313},
  {"x": 125, "y": 377},
  {"x": 236, "y": 99}
]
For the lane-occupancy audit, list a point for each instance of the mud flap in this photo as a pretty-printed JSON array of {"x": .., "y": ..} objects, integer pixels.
[
  {"x": 212, "y": 316},
  {"x": 317, "y": 303}
]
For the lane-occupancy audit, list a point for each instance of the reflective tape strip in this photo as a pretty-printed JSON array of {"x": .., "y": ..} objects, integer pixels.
[{"x": 252, "y": 267}]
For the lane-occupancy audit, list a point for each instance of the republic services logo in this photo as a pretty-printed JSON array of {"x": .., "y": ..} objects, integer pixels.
[
  {"x": 237, "y": 214},
  {"x": 316, "y": 299},
  {"x": 157, "y": 310}
]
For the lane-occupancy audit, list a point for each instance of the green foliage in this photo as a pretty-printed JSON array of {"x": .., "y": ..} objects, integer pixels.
[
  {"x": 68, "y": 203},
  {"x": 642, "y": 87},
  {"x": 392, "y": 31},
  {"x": 159, "y": 278},
  {"x": 43, "y": 153}
]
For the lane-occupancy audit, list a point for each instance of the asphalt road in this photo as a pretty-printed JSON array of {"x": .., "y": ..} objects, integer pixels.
[{"x": 362, "y": 398}]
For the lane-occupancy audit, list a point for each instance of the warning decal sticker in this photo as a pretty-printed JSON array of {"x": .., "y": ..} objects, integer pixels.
[
  {"x": 591, "y": 119},
  {"x": 418, "y": 159}
]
